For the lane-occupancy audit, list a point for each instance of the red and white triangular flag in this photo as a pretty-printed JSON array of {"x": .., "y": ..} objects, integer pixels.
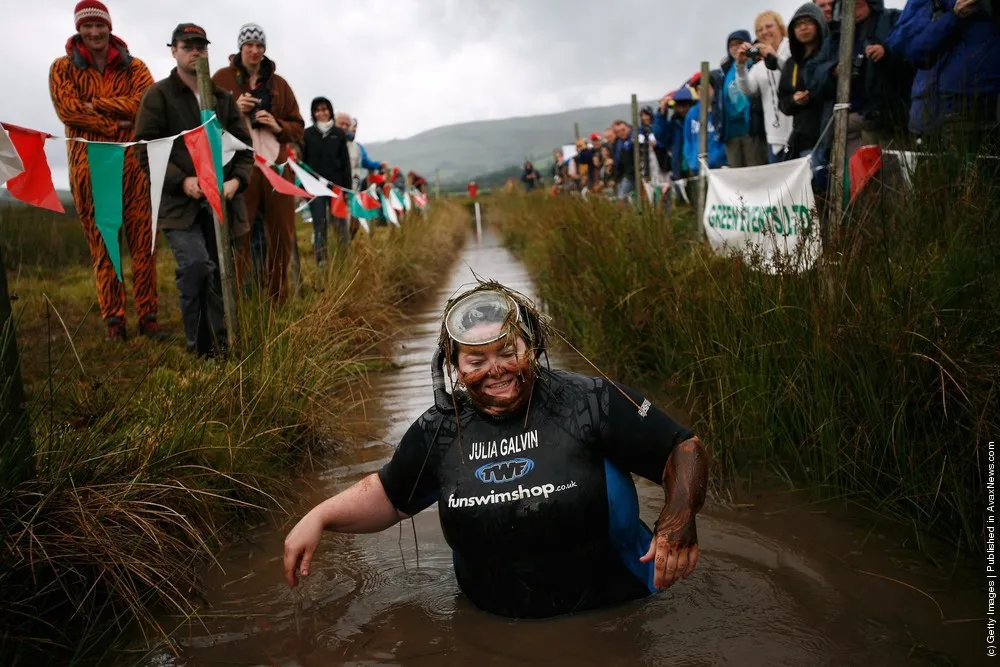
[
  {"x": 34, "y": 184},
  {"x": 10, "y": 161},
  {"x": 280, "y": 185}
]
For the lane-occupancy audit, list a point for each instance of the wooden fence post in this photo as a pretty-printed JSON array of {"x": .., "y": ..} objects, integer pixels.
[
  {"x": 640, "y": 196},
  {"x": 703, "y": 108},
  {"x": 227, "y": 268},
  {"x": 841, "y": 116}
]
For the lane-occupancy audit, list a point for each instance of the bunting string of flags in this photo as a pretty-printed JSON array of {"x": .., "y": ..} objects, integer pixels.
[{"x": 25, "y": 171}]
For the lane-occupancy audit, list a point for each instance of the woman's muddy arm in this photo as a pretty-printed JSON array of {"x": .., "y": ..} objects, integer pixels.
[{"x": 685, "y": 483}]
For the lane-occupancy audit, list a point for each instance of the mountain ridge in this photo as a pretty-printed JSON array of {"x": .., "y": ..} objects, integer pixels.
[{"x": 467, "y": 150}]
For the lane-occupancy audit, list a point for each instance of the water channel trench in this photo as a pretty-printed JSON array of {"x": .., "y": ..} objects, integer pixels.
[{"x": 778, "y": 583}]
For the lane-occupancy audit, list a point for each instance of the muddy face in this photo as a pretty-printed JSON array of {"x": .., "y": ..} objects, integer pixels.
[{"x": 497, "y": 375}]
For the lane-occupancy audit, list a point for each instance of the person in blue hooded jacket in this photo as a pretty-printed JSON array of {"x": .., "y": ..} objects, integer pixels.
[
  {"x": 668, "y": 128},
  {"x": 955, "y": 46},
  {"x": 740, "y": 118},
  {"x": 692, "y": 128}
]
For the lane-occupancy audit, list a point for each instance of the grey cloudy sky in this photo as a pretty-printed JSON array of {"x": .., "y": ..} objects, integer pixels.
[{"x": 403, "y": 66}]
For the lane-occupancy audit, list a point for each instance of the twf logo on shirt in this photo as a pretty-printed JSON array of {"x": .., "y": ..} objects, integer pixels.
[{"x": 504, "y": 471}]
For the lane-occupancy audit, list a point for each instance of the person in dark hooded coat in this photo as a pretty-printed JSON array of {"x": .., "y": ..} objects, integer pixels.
[
  {"x": 324, "y": 151},
  {"x": 880, "y": 78},
  {"x": 806, "y": 34}
]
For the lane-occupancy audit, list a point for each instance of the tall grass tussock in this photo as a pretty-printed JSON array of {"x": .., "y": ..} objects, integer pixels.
[
  {"x": 146, "y": 460},
  {"x": 872, "y": 376}
]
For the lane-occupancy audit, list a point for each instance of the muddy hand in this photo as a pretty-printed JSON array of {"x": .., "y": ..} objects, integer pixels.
[
  {"x": 300, "y": 546},
  {"x": 674, "y": 548}
]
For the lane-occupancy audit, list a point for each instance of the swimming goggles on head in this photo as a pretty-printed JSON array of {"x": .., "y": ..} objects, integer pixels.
[{"x": 481, "y": 317}]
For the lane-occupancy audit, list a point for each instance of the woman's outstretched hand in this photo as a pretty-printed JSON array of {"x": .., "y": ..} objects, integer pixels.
[
  {"x": 675, "y": 536},
  {"x": 674, "y": 547},
  {"x": 300, "y": 546}
]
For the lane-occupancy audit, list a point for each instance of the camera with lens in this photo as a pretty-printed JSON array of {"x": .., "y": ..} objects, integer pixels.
[
  {"x": 754, "y": 52},
  {"x": 264, "y": 95},
  {"x": 856, "y": 64}
]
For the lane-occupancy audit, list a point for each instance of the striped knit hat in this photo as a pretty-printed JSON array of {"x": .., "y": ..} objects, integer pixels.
[
  {"x": 251, "y": 32},
  {"x": 91, "y": 11}
]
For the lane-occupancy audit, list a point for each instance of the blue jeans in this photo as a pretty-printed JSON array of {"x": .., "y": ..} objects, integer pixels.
[
  {"x": 781, "y": 156},
  {"x": 625, "y": 188},
  {"x": 199, "y": 284},
  {"x": 258, "y": 248},
  {"x": 318, "y": 207}
]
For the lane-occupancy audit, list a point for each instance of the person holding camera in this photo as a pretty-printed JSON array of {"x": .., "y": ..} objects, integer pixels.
[
  {"x": 740, "y": 119},
  {"x": 880, "y": 78},
  {"x": 272, "y": 114},
  {"x": 807, "y": 31},
  {"x": 769, "y": 53}
]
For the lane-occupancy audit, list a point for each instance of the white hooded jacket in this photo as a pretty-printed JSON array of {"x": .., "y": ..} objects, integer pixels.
[{"x": 759, "y": 80}]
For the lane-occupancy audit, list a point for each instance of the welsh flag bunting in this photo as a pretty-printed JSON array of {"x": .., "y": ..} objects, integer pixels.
[
  {"x": 365, "y": 207},
  {"x": 862, "y": 168},
  {"x": 338, "y": 203},
  {"x": 107, "y": 162},
  {"x": 388, "y": 211},
  {"x": 24, "y": 169},
  {"x": 158, "y": 155},
  {"x": 10, "y": 161},
  {"x": 395, "y": 201},
  {"x": 279, "y": 184},
  {"x": 34, "y": 185},
  {"x": 200, "y": 147},
  {"x": 310, "y": 183},
  {"x": 214, "y": 133},
  {"x": 420, "y": 199}
]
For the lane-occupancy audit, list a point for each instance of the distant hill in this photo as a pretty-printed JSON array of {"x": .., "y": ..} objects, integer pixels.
[{"x": 470, "y": 150}]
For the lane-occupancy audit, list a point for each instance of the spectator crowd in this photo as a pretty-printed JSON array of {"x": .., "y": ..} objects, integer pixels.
[
  {"x": 923, "y": 78},
  {"x": 104, "y": 93}
]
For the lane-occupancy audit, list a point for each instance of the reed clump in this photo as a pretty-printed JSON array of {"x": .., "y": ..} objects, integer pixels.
[
  {"x": 872, "y": 376},
  {"x": 147, "y": 461}
]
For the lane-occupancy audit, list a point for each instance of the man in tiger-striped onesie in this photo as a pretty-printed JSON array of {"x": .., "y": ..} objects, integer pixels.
[{"x": 96, "y": 89}]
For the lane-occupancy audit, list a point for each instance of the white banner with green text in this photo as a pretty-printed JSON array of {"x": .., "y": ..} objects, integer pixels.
[{"x": 766, "y": 213}]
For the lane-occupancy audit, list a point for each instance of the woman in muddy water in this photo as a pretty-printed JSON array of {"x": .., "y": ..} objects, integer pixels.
[{"x": 530, "y": 467}]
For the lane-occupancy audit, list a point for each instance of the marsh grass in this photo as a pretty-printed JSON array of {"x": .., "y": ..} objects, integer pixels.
[
  {"x": 872, "y": 376},
  {"x": 147, "y": 460}
]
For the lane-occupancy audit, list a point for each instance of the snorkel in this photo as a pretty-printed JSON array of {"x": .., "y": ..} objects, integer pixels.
[
  {"x": 442, "y": 399},
  {"x": 507, "y": 315}
]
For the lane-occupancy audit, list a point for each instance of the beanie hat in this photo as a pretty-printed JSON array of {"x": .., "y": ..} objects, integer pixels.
[
  {"x": 91, "y": 11},
  {"x": 251, "y": 32}
]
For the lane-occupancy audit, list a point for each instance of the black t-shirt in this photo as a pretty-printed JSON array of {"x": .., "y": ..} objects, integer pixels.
[{"x": 543, "y": 516}]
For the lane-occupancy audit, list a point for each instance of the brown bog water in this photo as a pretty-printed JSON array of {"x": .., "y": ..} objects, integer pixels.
[{"x": 781, "y": 581}]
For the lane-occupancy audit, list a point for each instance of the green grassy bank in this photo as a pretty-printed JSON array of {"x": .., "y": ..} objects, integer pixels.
[
  {"x": 872, "y": 377},
  {"x": 145, "y": 461}
]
